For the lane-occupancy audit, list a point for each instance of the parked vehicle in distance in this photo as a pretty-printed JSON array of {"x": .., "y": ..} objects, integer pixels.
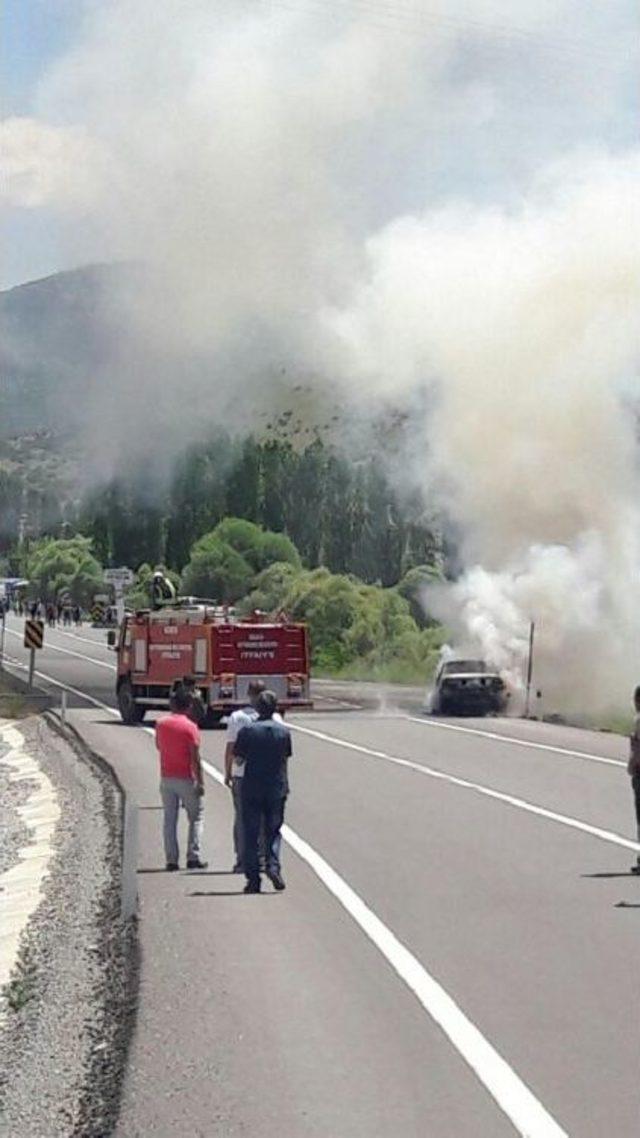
[{"x": 467, "y": 687}]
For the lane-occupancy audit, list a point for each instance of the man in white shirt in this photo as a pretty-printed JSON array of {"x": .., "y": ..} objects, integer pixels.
[{"x": 234, "y": 771}]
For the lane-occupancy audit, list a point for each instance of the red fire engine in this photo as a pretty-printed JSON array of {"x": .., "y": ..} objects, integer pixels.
[{"x": 201, "y": 639}]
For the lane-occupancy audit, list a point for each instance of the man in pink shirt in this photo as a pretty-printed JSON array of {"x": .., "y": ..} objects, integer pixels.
[{"x": 178, "y": 741}]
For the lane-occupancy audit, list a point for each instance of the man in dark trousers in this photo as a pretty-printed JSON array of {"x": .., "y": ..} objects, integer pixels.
[{"x": 263, "y": 748}]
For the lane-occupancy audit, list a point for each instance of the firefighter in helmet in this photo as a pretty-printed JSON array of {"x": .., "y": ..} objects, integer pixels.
[{"x": 162, "y": 590}]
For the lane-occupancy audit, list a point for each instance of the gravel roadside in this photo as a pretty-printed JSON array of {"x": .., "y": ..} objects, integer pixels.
[
  {"x": 64, "y": 1039},
  {"x": 13, "y": 831}
]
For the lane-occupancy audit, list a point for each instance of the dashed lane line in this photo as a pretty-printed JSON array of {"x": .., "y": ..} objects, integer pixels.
[
  {"x": 526, "y": 1113},
  {"x": 478, "y": 788}
]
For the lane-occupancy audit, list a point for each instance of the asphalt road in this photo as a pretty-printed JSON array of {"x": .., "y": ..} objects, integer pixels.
[{"x": 454, "y": 954}]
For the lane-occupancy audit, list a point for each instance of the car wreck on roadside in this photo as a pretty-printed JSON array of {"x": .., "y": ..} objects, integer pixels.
[{"x": 467, "y": 687}]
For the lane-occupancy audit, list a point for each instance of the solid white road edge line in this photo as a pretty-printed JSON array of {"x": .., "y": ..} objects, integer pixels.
[
  {"x": 486, "y": 791},
  {"x": 495, "y": 735},
  {"x": 518, "y": 1103},
  {"x": 70, "y": 652}
]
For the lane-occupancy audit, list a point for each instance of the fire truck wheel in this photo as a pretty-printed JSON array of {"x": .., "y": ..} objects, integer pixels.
[
  {"x": 130, "y": 711},
  {"x": 213, "y": 720}
]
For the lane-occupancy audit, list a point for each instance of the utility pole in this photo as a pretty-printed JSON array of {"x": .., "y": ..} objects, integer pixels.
[{"x": 532, "y": 632}]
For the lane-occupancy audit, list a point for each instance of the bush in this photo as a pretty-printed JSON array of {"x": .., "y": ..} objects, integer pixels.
[
  {"x": 413, "y": 587},
  {"x": 271, "y": 588},
  {"x": 54, "y": 565},
  {"x": 216, "y": 571}
]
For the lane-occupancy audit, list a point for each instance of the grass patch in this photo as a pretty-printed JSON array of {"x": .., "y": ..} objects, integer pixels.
[
  {"x": 617, "y": 722},
  {"x": 21, "y": 987},
  {"x": 387, "y": 672},
  {"x": 13, "y": 704}
]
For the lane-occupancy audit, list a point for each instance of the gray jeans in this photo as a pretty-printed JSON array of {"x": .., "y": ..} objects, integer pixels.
[
  {"x": 173, "y": 792},
  {"x": 238, "y": 824}
]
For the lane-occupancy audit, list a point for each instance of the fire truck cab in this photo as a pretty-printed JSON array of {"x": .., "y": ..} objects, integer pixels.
[{"x": 223, "y": 654}]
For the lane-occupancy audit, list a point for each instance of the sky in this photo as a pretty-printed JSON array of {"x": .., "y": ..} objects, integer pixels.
[
  {"x": 423, "y": 204},
  {"x": 526, "y": 81}
]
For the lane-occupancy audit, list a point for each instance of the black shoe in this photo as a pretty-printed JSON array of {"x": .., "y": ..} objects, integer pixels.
[
  {"x": 277, "y": 880},
  {"x": 252, "y": 887},
  {"x": 171, "y": 866},
  {"x": 636, "y": 868},
  {"x": 195, "y": 863}
]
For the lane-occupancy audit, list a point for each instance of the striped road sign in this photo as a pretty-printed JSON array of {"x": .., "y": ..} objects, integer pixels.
[
  {"x": 97, "y": 612},
  {"x": 33, "y": 633}
]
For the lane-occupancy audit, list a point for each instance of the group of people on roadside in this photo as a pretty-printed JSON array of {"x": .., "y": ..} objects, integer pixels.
[
  {"x": 54, "y": 612},
  {"x": 256, "y": 771}
]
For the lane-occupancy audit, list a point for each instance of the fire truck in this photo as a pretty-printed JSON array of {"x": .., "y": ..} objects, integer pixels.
[{"x": 222, "y": 653}]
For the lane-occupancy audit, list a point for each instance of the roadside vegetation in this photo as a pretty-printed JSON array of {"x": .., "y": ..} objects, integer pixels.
[{"x": 265, "y": 526}]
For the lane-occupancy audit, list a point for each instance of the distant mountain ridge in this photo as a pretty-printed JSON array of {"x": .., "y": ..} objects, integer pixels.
[
  {"x": 73, "y": 411},
  {"x": 53, "y": 341}
]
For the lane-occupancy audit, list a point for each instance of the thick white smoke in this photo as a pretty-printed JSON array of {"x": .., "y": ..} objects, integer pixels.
[
  {"x": 397, "y": 198},
  {"x": 525, "y": 322}
]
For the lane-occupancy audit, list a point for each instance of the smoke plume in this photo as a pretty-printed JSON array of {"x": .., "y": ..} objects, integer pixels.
[{"x": 424, "y": 206}]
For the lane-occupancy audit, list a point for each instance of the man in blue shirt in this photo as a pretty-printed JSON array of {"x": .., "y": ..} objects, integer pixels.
[{"x": 263, "y": 748}]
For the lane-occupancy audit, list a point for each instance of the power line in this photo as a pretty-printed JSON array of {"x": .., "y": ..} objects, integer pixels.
[{"x": 411, "y": 22}]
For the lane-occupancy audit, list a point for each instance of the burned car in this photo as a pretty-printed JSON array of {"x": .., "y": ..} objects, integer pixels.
[{"x": 468, "y": 687}]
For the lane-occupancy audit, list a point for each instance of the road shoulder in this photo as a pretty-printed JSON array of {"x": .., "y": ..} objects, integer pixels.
[{"x": 68, "y": 1001}]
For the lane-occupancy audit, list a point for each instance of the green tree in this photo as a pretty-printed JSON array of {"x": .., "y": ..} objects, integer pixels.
[
  {"x": 414, "y": 588},
  {"x": 57, "y": 564},
  {"x": 243, "y": 482},
  {"x": 304, "y": 501},
  {"x": 259, "y": 547},
  {"x": 217, "y": 571},
  {"x": 271, "y": 588}
]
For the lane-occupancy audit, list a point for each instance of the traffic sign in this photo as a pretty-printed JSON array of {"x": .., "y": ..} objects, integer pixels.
[
  {"x": 33, "y": 633},
  {"x": 97, "y": 612},
  {"x": 119, "y": 577}
]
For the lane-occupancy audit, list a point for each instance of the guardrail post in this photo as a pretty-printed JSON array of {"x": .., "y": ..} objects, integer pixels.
[{"x": 63, "y": 706}]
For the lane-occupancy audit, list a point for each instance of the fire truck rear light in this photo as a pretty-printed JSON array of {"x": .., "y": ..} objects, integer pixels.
[
  {"x": 227, "y": 684},
  {"x": 295, "y": 684}
]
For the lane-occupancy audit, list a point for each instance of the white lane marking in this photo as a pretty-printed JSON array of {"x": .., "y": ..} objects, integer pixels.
[
  {"x": 70, "y": 652},
  {"x": 21, "y": 885},
  {"x": 522, "y": 1108},
  {"x": 486, "y": 791},
  {"x": 512, "y": 739},
  {"x": 66, "y": 687},
  {"x": 85, "y": 639}
]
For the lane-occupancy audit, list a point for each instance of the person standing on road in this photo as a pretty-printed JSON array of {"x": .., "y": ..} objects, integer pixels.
[
  {"x": 633, "y": 767},
  {"x": 233, "y": 770},
  {"x": 181, "y": 781},
  {"x": 197, "y": 710},
  {"x": 263, "y": 748}
]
